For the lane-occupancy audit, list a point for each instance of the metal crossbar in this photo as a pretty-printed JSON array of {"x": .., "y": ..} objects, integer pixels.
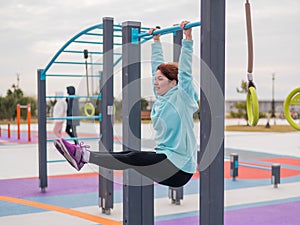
[{"x": 168, "y": 30}]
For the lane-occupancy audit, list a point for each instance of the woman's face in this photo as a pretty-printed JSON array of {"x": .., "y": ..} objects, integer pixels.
[{"x": 162, "y": 84}]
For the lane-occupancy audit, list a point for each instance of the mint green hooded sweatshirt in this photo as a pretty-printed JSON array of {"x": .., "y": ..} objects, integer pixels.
[{"x": 172, "y": 113}]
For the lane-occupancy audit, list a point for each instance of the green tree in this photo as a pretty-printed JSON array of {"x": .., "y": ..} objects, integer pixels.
[
  {"x": 13, "y": 97},
  {"x": 144, "y": 104},
  {"x": 241, "y": 112},
  {"x": 7, "y": 108},
  {"x": 10, "y": 102},
  {"x": 244, "y": 88},
  {"x": 118, "y": 110},
  {"x": 50, "y": 106},
  {"x": 240, "y": 106},
  {"x": 33, "y": 106},
  {"x": 197, "y": 113}
]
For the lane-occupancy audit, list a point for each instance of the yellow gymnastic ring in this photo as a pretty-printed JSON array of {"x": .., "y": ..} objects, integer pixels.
[
  {"x": 252, "y": 107},
  {"x": 89, "y": 109},
  {"x": 292, "y": 99}
]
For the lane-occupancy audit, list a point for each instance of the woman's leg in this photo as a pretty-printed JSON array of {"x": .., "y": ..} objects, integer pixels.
[
  {"x": 125, "y": 160},
  {"x": 154, "y": 166}
]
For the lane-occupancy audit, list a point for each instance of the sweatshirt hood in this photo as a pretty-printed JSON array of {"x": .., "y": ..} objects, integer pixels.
[{"x": 71, "y": 90}]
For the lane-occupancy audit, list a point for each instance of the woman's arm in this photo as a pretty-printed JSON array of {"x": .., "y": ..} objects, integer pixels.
[
  {"x": 156, "y": 55},
  {"x": 185, "y": 77}
]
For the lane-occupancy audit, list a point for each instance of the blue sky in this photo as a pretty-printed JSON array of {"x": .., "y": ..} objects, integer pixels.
[{"x": 32, "y": 31}]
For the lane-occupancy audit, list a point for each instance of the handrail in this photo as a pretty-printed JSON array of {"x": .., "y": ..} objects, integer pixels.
[{"x": 169, "y": 29}]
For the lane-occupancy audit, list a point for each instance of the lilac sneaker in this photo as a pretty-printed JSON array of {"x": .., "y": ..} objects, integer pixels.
[{"x": 73, "y": 153}]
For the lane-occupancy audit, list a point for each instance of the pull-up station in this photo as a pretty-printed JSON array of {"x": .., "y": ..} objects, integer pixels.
[
  {"x": 136, "y": 36},
  {"x": 138, "y": 201}
]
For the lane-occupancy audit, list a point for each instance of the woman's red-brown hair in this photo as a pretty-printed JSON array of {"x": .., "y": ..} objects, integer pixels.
[{"x": 170, "y": 70}]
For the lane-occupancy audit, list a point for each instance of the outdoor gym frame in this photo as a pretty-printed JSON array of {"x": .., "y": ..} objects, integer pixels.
[{"x": 138, "y": 200}]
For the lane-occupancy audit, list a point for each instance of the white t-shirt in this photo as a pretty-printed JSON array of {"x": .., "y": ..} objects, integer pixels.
[{"x": 60, "y": 110}]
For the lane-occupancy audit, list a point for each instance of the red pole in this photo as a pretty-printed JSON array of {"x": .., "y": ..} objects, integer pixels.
[
  {"x": 18, "y": 120},
  {"x": 8, "y": 129},
  {"x": 28, "y": 121}
]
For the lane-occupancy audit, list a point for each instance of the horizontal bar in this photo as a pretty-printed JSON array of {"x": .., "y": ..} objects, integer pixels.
[
  {"x": 254, "y": 166},
  {"x": 81, "y": 138},
  {"x": 74, "y": 117},
  {"x": 77, "y": 63},
  {"x": 81, "y": 52},
  {"x": 117, "y": 61},
  {"x": 57, "y": 160},
  {"x": 89, "y": 42},
  {"x": 118, "y": 25},
  {"x": 145, "y": 28},
  {"x": 77, "y": 138},
  {"x": 169, "y": 29},
  {"x": 93, "y": 34},
  {"x": 71, "y": 75},
  {"x": 146, "y": 39},
  {"x": 75, "y": 96}
]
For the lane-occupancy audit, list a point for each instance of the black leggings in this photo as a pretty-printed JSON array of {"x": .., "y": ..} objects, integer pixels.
[{"x": 150, "y": 164}]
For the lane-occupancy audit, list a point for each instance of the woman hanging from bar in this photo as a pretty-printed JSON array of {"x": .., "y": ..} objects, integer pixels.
[{"x": 174, "y": 160}]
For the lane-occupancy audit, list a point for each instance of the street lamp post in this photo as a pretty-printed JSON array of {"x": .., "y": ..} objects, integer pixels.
[{"x": 273, "y": 101}]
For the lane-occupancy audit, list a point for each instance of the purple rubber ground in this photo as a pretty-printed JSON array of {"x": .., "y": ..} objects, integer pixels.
[
  {"x": 24, "y": 188},
  {"x": 261, "y": 215},
  {"x": 275, "y": 214}
]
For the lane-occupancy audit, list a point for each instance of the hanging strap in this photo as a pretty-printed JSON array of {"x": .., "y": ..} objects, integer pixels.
[
  {"x": 86, "y": 55},
  {"x": 250, "y": 39},
  {"x": 89, "y": 109}
]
